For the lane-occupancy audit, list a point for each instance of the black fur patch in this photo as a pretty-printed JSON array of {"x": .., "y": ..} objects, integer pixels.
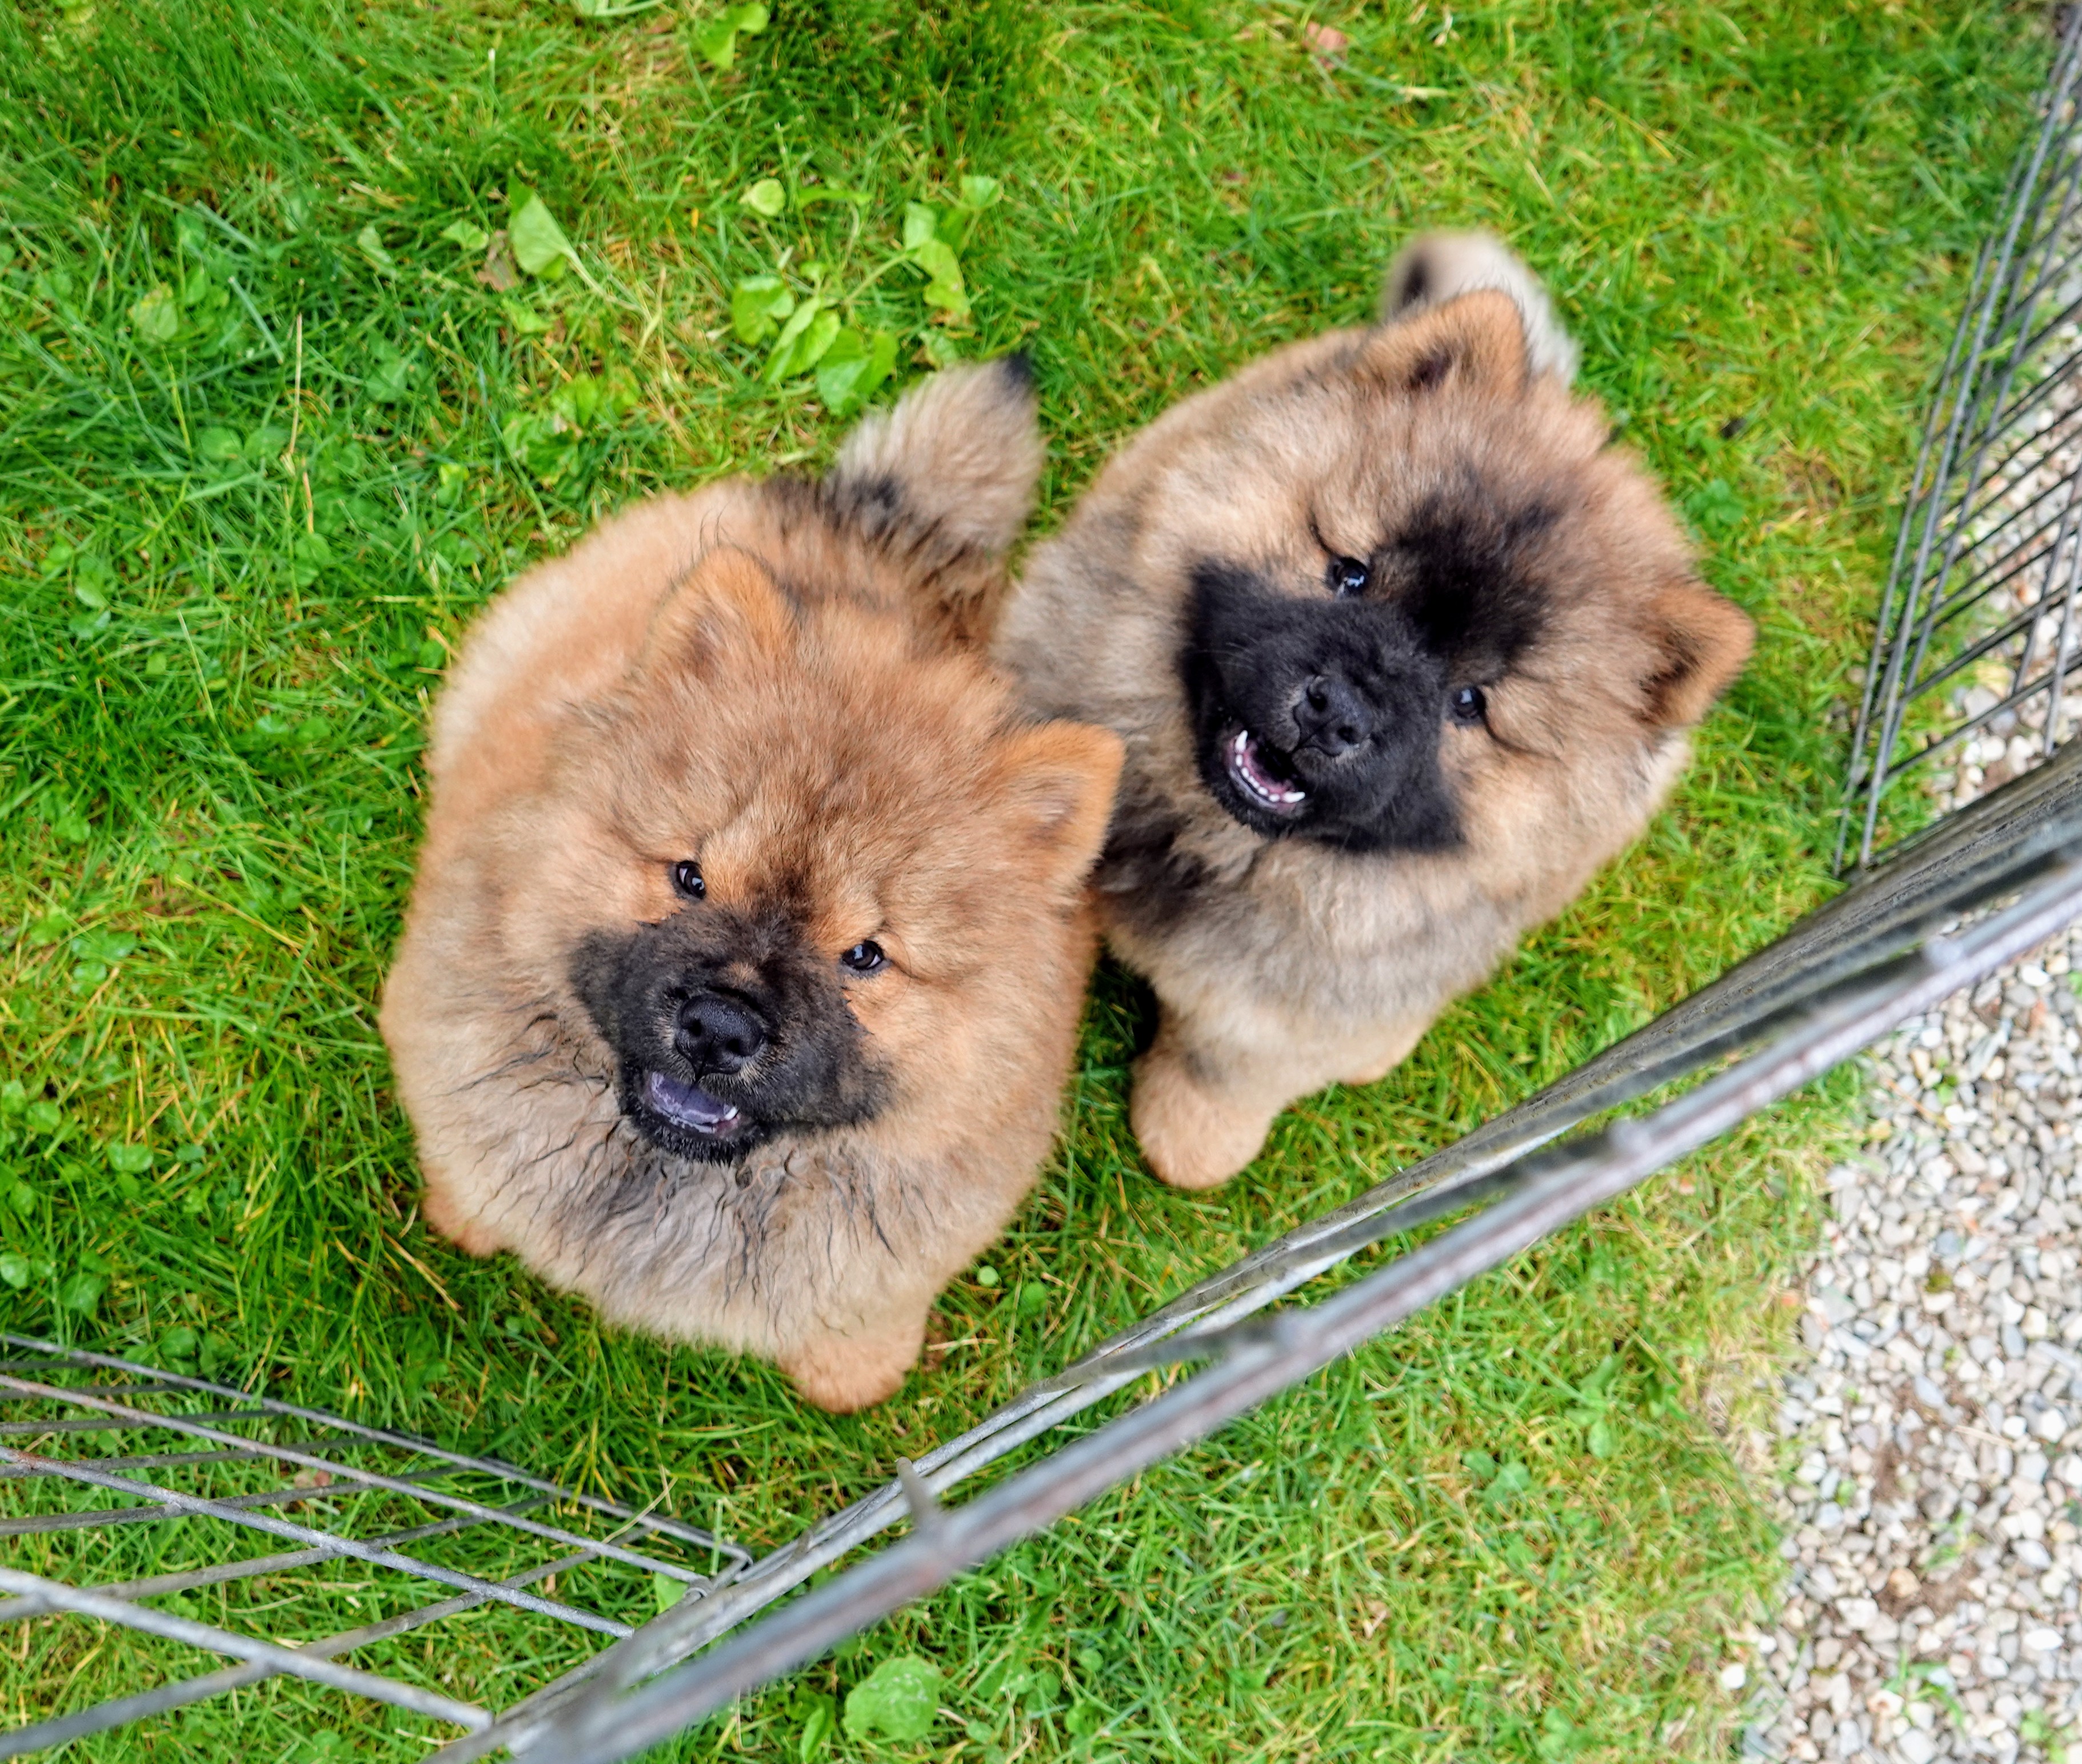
[
  {"x": 1416, "y": 279},
  {"x": 814, "y": 1069},
  {"x": 1458, "y": 568},
  {"x": 1430, "y": 370}
]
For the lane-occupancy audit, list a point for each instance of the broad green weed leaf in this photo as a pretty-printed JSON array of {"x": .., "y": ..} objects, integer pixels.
[
  {"x": 545, "y": 450},
  {"x": 525, "y": 321},
  {"x": 757, "y": 305},
  {"x": 467, "y": 234},
  {"x": 780, "y": 363},
  {"x": 82, "y": 1292},
  {"x": 921, "y": 223},
  {"x": 665, "y": 1591},
  {"x": 808, "y": 347},
  {"x": 388, "y": 381},
  {"x": 717, "y": 39},
  {"x": 539, "y": 245},
  {"x": 131, "y": 1160},
  {"x": 979, "y": 193},
  {"x": 371, "y": 244},
  {"x": 43, "y": 1116},
  {"x": 830, "y": 193},
  {"x": 943, "y": 350},
  {"x": 72, "y": 827},
  {"x": 1602, "y": 1440},
  {"x": 899, "y": 1700},
  {"x": 854, "y": 369},
  {"x": 1715, "y": 506},
  {"x": 767, "y": 197},
  {"x": 587, "y": 398},
  {"x": 943, "y": 289},
  {"x": 1513, "y": 1478},
  {"x": 157, "y": 318},
  {"x": 14, "y": 1270}
]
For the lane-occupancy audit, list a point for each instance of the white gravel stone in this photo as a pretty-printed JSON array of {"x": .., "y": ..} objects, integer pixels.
[{"x": 1929, "y": 1455}]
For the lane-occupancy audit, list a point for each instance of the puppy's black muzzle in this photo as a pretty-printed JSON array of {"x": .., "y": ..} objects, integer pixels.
[
  {"x": 1319, "y": 719},
  {"x": 728, "y": 1025}
]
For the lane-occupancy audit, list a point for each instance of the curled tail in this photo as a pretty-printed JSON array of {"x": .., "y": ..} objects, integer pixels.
[{"x": 1432, "y": 269}]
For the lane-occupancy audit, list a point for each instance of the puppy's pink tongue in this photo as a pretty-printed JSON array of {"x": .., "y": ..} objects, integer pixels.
[{"x": 687, "y": 1105}]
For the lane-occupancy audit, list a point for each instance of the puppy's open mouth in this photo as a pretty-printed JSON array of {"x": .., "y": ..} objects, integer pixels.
[
  {"x": 1262, "y": 773},
  {"x": 690, "y": 1109}
]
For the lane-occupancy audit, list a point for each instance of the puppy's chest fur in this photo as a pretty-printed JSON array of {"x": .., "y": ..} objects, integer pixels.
[{"x": 1358, "y": 936}]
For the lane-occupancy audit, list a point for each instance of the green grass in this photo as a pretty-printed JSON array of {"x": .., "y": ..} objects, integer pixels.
[{"x": 266, "y": 442}]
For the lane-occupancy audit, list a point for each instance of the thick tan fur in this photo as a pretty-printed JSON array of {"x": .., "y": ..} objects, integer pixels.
[
  {"x": 759, "y": 675},
  {"x": 1282, "y": 965}
]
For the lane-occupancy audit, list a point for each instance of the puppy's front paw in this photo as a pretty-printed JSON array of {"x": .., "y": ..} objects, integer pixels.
[
  {"x": 845, "y": 1373},
  {"x": 1192, "y": 1137}
]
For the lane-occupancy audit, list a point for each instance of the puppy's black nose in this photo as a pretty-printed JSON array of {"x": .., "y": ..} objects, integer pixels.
[
  {"x": 718, "y": 1035},
  {"x": 1330, "y": 716}
]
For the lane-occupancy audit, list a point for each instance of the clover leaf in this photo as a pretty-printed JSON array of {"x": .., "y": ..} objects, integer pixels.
[
  {"x": 899, "y": 1699},
  {"x": 539, "y": 245},
  {"x": 853, "y": 368},
  {"x": 157, "y": 317},
  {"x": 757, "y": 306},
  {"x": 803, "y": 342},
  {"x": 717, "y": 40}
]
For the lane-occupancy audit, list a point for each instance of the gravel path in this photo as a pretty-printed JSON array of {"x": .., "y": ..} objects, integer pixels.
[{"x": 1932, "y": 1453}]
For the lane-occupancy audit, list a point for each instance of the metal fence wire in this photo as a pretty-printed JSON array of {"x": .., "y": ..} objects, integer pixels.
[
  {"x": 1974, "y": 644},
  {"x": 302, "y": 1517},
  {"x": 1968, "y": 684}
]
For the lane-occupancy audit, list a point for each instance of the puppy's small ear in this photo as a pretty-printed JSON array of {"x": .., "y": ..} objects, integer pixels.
[
  {"x": 1702, "y": 639},
  {"x": 726, "y": 612},
  {"x": 1440, "y": 267},
  {"x": 1057, "y": 783},
  {"x": 1475, "y": 342},
  {"x": 960, "y": 456}
]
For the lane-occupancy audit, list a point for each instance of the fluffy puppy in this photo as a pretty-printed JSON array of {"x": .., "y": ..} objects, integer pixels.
[
  {"x": 1402, "y": 651},
  {"x": 742, "y": 969}
]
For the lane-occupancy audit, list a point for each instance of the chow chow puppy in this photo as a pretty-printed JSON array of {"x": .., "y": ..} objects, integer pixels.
[
  {"x": 743, "y": 970},
  {"x": 1401, "y": 650}
]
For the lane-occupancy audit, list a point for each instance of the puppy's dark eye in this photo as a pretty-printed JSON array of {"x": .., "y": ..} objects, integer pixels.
[
  {"x": 865, "y": 958},
  {"x": 1348, "y": 577},
  {"x": 687, "y": 880},
  {"x": 1469, "y": 704}
]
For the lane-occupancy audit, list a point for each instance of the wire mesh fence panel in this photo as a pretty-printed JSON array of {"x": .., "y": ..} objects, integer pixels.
[
  {"x": 1969, "y": 682},
  {"x": 200, "y": 1542}
]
